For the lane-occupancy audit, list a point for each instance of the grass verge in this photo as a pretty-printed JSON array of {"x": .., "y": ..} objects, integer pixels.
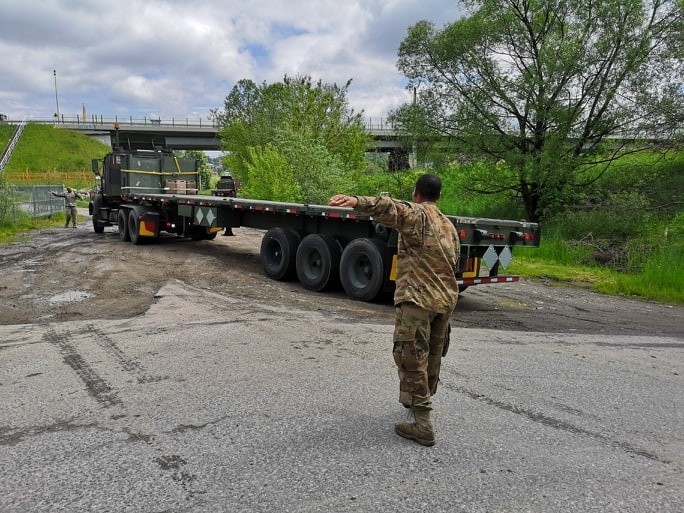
[{"x": 662, "y": 279}]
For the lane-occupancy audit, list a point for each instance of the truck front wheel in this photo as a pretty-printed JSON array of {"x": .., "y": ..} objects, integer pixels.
[
  {"x": 318, "y": 262},
  {"x": 94, "y": 209},
  {"x": 279, "y": 253},
  {"x": 364, "y": 269},
  {"x": 97, "y": 226},
  {"x": 122, "y": 221}
]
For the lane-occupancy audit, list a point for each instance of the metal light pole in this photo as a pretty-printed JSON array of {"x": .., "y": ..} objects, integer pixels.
[{"x": 54, "y": 72}]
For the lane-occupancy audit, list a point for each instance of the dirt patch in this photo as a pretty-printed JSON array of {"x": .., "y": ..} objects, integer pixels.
[{"x": 65, "y": 274}]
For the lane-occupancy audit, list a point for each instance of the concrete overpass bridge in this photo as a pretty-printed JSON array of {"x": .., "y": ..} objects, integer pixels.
[{"x": 186, "y": 134}]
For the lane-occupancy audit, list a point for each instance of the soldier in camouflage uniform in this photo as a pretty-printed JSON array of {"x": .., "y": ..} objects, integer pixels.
[
  {"x": 70, "y": 197},
  {"x": 425, "y": 297}
]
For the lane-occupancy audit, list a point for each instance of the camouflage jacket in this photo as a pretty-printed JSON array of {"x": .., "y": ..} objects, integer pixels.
[
  {"x": 427, "y": 253},
  {"x": 69, "y": 197}
]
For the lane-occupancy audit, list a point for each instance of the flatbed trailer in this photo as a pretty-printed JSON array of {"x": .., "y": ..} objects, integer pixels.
[{"x": 324, "y": 247}]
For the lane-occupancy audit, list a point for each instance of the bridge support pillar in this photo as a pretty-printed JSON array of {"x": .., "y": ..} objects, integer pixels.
[{"x": 398, "y": 160}]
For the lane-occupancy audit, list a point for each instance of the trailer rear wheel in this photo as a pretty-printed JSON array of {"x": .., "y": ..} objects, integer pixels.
[
  {"x": 279, "y": 253},
  {"x": 122, "y": 221},
  {"x": 318, "y": 262},
  {"x": 134, "y": 228},
  {"x": 364, "y": 268},
  {"x": 198, "y": 233}
]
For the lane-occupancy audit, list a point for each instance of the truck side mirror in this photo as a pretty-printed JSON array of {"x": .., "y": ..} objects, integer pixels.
[{"x": 96, "y": 167}]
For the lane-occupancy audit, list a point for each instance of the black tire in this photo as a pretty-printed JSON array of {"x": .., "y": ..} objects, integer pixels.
[
  {"x": 318, "y": 262},
  {"x": 98, "y": 227},
  {"x": 134, "y": 228},
  {"x": 279, "y": 253},
  {"x": 122, "y": 221},
  {"x": 364, "y": 269},
  {"x": 197, "y": 233}
]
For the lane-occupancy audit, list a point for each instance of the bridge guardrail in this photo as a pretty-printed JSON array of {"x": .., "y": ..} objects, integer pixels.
[{"x": 107, "y": 122}]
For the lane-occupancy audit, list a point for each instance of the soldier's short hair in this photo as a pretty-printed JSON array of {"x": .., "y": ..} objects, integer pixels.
[{"x": 429, "y": 186}]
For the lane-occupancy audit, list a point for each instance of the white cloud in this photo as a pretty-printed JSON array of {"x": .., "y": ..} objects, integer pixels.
[{"x": 180, "y": 58}]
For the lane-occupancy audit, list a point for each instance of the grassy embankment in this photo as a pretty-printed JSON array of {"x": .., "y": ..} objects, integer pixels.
[
  {"x": 50, "y": 155},
  {"x": 45, "y": 155}
]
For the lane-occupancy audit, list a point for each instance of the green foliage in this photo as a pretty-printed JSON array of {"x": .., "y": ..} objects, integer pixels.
[
  {"x": 624, "y": 215},
  {"x": 8, "y": 210},
  {"x": 540, "y": 86},
  {"x": 206, "y": 172},
  {"x": 309, "y": 125},
  {"x": 459, "y": 198},
  {"x": 270, "y": 176},
  {"x": 623, "y": 235},
  {"x": 375, "y": 180}
]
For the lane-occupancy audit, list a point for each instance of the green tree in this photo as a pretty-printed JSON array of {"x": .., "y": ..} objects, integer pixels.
[
  {"x": 309, "y": 125},
  {"x": 552, "y": 90},
  {"x": 269, "y": 175}
]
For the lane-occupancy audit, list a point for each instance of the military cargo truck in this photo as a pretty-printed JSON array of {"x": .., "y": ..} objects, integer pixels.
[{"x": 150, "y": 194}]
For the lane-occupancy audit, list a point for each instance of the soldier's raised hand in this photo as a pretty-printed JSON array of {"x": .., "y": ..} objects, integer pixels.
[{"x": 342, "y": 200}]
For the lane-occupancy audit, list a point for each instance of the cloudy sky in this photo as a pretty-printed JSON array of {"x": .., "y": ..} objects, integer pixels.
[{"x": 180, "y": 58}]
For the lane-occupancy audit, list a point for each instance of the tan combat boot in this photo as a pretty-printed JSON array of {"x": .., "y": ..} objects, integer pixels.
[{"x": 420, "y": 431}]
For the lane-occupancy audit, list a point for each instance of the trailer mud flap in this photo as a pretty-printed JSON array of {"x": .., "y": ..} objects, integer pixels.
[
  {"x": 470, "y": 267},
  {"x": 149, "y": 224}
]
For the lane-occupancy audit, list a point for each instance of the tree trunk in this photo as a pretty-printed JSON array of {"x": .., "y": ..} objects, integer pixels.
[{"x": 531, "y": 196}]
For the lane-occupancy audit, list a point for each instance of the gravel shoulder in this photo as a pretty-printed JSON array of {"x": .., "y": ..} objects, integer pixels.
[{"x": 74, "y": 274}]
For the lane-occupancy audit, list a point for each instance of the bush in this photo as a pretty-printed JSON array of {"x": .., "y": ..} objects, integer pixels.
[
  {"x": 7, "y": 206},
  {"x": 270, "y": 177}
]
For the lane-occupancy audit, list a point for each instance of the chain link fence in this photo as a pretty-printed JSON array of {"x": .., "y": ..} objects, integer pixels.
[{"x": 31, "y": 200}]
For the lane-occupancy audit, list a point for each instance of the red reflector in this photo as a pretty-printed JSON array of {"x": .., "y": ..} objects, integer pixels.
[{"x": 462, "y": 234}]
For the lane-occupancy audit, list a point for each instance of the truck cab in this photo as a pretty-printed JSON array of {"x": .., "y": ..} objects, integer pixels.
[
  {"x": 125, "y": 177},
  {"x": 226, "y": 186}
]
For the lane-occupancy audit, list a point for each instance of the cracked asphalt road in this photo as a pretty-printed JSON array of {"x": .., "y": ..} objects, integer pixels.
[{"x": 175, "y": 377}]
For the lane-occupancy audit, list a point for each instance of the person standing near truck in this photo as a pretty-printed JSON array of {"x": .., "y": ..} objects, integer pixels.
[
  {"x": 70, "y": 197},
  {"x": 425, "y": 297}
]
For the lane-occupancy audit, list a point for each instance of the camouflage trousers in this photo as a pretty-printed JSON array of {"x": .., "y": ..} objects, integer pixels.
[
  {"x": 419, "y": 337},
  {"x": 71, "y": 213}
]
